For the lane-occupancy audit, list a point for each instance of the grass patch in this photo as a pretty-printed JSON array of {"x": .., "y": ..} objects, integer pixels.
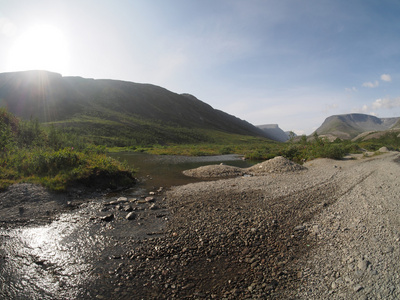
[{"x": 55, "y": 159}]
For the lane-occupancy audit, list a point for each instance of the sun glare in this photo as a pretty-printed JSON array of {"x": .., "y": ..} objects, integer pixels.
[{"x": 42, "y": 47}]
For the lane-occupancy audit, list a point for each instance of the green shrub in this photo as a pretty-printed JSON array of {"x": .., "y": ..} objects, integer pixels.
[
  {"x": 54, "y": 158},
  {"x": 226, "y": 150}
]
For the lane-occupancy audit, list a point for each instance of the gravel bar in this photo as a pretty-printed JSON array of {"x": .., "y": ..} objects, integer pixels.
[{"x": 328, "y": 231}]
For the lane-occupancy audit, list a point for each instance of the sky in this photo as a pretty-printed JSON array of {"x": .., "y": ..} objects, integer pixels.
[{"x": 287, "y": 62}]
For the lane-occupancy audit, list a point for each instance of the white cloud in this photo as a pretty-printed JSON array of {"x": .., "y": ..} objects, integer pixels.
[
  {"x": 330, "y": 107},
  {"x": 385, "y": 103},
  {"x": 371, "y": 84},
  {"x": 386, "y": 77},
  {"x": 352, "y": 89},
  {"x": 365, "y": 108}
]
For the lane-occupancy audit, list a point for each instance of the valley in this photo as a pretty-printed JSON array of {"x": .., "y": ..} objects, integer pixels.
[{"x": 81, "y": 219}]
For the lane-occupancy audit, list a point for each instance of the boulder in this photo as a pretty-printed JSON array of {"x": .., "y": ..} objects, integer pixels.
[{"x": 383, "y": 150}]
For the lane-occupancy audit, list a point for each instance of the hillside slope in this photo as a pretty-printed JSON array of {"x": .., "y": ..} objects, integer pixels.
[
  {"x": 111, "y": 109},
  {"x": 350, "y": 125},
  {"x": 273, "y": 132}
]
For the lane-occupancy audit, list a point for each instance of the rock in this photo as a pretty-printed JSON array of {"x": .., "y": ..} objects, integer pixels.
[
  {"x": 153, "y": 206},
  {"x": 383, "y": 150},
  {"x": 315, "y": 229},
  {"x": 122, "y": 199},
  {"x": 128, "y": 208},
  {"x": 149, "y": 199},
  {"x": 107, "y": 218},
  {"x": 130, "y": 216},
  {"x": 357, "y": 288},
  {"x": 299, "y": 228},
  {"x": 214, "y": 171},
  {"x": 363, "y": 265},
  {"x": 245, "y": 251},
  {"x": 278, "y": 164},
  {"x": 114, "y": 202}
]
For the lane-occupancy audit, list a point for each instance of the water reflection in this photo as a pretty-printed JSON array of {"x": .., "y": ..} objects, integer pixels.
[
  {"x": 166, "y": 170},
  {"x": 67, "y": 258},
  {"x": 50, "y": 261}
]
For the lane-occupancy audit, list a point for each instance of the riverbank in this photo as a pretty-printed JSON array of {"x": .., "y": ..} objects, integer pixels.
[
  {"x": 267, "y": 236},
  {"x": 330, "y": 230}
]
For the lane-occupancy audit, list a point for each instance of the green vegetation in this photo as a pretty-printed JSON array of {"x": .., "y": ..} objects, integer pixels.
[
  {"x": 59, "y": 156},
  {"x": 316, "y": 147},
  {"x": 389, "y": 139},
  {"x": 55, "y": 159},
  {"x": 261, "y": 149},
  {"x": 305, "y": 150}
]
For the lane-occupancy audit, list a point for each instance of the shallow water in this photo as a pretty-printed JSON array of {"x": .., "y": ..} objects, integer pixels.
[
  {"x": 70, "y": 257},
  {"x": 156, "y": 171}
]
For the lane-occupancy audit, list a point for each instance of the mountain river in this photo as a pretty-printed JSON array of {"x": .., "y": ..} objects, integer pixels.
[{"x": 74, "y": 255}]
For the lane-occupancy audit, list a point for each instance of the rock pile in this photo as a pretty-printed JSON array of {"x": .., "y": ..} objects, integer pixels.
[
  {"x": 215, "y": 171},
  {"x": 278, "y": 164}
]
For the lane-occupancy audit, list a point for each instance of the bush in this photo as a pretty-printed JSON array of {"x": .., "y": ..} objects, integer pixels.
[
  {"x": 334, "y": 151},
  {"x": 226, "y": 150},
  {"x": 32, "y": 153},
  {"x": 8, "y": 131}
]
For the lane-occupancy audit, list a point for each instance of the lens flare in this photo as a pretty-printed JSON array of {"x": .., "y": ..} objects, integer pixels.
[{"x": 41, "y": 47}]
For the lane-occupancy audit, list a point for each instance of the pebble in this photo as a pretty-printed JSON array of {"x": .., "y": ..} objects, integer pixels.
[
  {"x": 149, "y": 199},
  {"x": 363, "y": 264},
  {"x": 107, "y": 218},
  {"x": 299, "y": 228},
  {"x": 122, "y": 199},
  {"x": 357, "y": 288},
  {"x": 154, "y": 206},
  {"x": 130, "y": 216}
]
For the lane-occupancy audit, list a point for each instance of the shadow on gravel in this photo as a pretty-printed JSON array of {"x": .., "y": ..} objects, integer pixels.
[{"x": 230, "y": 245}]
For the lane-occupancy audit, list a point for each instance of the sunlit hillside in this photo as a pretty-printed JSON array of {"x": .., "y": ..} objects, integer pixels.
[{"x": 116, "y": 112}]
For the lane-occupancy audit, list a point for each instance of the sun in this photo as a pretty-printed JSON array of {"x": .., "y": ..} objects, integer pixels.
[{"x": 41, "y": 47}]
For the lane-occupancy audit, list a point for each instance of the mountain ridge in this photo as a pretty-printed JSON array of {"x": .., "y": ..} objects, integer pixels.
[
  {"x": 274, "y": 132},
  {"x": 73, "y": 101},
  {"x": 348, "y": 126}
]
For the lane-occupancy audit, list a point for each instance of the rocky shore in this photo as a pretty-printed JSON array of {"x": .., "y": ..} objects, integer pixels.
[{"x": 328, "y": 229}]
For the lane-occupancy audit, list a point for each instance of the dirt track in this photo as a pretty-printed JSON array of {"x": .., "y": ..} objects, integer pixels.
[{"x": 329, "y": 231}]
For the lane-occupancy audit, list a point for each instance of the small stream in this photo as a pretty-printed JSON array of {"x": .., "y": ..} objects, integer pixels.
[
  {"x": 156, "y": 171},
  {"x": 68, "y": 258}
]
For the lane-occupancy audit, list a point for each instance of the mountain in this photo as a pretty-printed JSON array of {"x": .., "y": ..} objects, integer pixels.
[
  {"x": 348, "y": 126},
  {"x": 273, "y": 132},
  {"x": 114, "y": 111}
]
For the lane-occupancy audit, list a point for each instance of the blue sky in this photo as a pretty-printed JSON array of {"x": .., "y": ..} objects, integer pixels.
[{"x": 286, "y": 62}]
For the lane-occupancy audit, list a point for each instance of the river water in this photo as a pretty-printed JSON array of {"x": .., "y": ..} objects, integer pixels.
[
  {"x": 70, "y": 257},
  {"x": 156, "y": 171}
]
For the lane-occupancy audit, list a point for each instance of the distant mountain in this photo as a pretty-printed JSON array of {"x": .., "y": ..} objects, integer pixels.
[
  {"x": 114, "y": 110},
  {"x": 273, "y": 132},
  {"x": 349, "y": 126}
]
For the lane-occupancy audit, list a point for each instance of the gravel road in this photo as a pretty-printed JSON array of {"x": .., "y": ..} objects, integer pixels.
[
  {"x": 356, "y": 250},
  {"x": 330, "y": 231}
]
